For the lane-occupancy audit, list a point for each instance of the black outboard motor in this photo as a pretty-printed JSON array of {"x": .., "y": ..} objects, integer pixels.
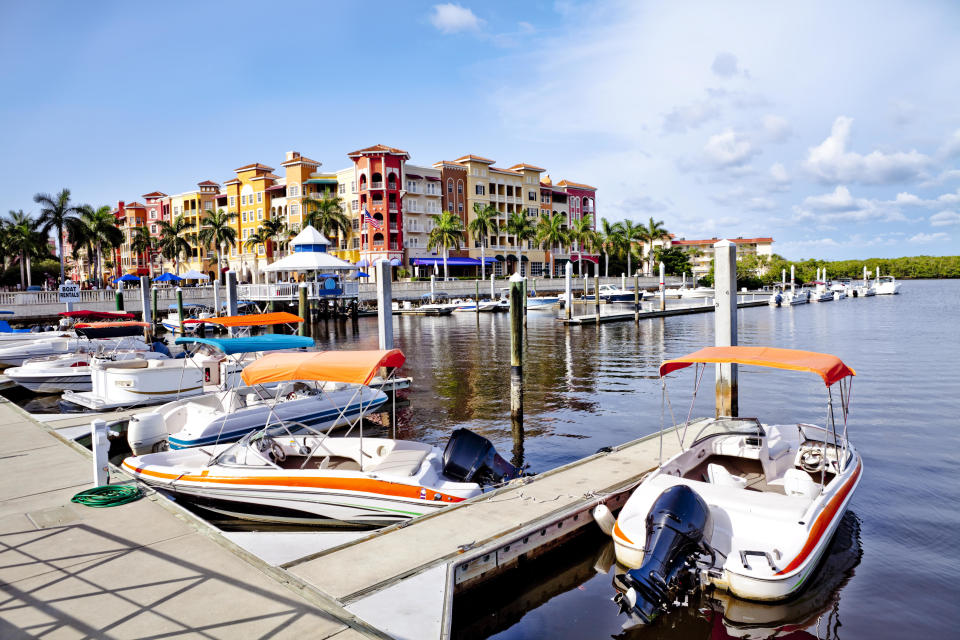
[
  {"x": 779, "y": 299},
  {"x": 471, "y": 458},
  {"x": 675, "y": 527}
]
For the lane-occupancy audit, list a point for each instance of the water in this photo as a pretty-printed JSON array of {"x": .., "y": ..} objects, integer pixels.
[
  {"x": 591, "y": 387},
  {"x": 893, "y": 569}
]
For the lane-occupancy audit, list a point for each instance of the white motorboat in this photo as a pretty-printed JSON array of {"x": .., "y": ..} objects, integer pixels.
[
  {"x": 15, "y": 355},
  {"x": 292, "y": 473},
  {"x": 611, "y": 293},
  {"x": 887, "y": 286},
  {"x": 744, "y": 507},
  {"x": 227, "y": 415},
  {"x": 471, "y": 305},
  {"x": 821, "y": 292},
  {"x": 191, "y": 311},
  {"x": 697, "y": 292},
  {"x": 789, "y": 297}
]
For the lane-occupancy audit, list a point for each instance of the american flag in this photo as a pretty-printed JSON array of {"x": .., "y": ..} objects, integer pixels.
[{"x": 373, "y": 222}]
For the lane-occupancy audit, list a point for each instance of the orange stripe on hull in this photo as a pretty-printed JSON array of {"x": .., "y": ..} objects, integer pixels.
[
  {"x": 366, "y": 485},
  {"x": 822, "y": 523},
  {"x": 617, "y": 531}
]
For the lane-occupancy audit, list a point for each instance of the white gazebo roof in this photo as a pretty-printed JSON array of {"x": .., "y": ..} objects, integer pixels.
[
  {"x": 310, "y": 261},
  {"x": 194, "y": 275},
  {"x": 309, "y": 235}
]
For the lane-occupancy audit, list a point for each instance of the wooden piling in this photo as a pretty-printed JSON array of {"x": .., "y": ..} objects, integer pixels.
[
  {"x": 384, "y": 305},
  {"x": 180, "y": 317},
  {"x": 476, "y": 301},
  {"x": 663, "y": 289},
  {"x": 596, "y": 296},
  {"x": 568, "y": 290},
  {"x": 636, "y": 299},
  {"x": 119, "y": 296},
  {"x": 303, "y": 309},
  {"x": 725, "y": 324},
  {"x": 516, "y": 347}
]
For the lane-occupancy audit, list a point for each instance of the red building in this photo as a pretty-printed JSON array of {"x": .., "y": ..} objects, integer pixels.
[
  {"x": 453, "y": 186},
  {"x": 378, "y": 171}
]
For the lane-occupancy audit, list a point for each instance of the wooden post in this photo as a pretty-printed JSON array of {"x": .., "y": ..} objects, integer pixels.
[
  {"x": 303, "y": 309},
  {"x": 793, "y": 278},
  {"x": 596, "y": 296},
  {"x": 516, "y": 356},
  {"x": 216, "y": 297},
  {"x": 232, "y": 296},
  {"x": 568, "y": 290},
  {"x": 493, "y": 288},
  {"x": 663, "y": 290},
  {"x": 725, "y": 324},
  {"x": 623, "y": 280},
  {"x": 145, "y": 299},
  {"x": 180, "y": 317},
  {"x": 156, "y": 317},
  {"x": 636, "y": 299},
  {"x": 384, "y": 305},
  {"x": 524, "y": 301},
  {"x": 476, "y": 300},
  {"x": 119, "y": 296},
  {"x": 433, "y": 287}
]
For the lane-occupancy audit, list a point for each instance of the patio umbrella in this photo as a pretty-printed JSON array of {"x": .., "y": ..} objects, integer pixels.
[
  {"x": 361, "y": 274},
  {"x": 194, "y": 275},
  {"x": 127, "y": 277},
  {"x": 166, "y": 277}
]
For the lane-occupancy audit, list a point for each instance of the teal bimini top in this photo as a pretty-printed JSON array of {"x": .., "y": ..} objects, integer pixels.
[{"x": 269, "y": 342}]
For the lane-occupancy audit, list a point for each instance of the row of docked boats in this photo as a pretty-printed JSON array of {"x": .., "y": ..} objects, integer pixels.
[{"x": 827, "y": 291}]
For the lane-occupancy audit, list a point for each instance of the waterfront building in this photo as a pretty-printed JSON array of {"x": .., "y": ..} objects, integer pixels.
[
  {"x": 379, "y": 176},
  {"x": 193, "y": 205},
  {"x": 423, "y": 199},
  {"x": 453, "y": 183},
  {"x": 129, "y": 218},
  {"x": 701, "y": 251},
  {"x": 349, "y": 196},
  {"x": 248, "y": 196}
]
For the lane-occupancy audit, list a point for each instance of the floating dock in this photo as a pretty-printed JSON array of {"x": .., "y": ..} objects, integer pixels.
[
  {"x": 153, "y": 567},
  {"x": 675, "y": 311}
]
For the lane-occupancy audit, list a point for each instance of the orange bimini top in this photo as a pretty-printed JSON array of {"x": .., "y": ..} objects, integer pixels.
[
  {"x": 252, "y": 320},
  {"x": 352, "y": 367},
  {"x": 828, "y": 367}
]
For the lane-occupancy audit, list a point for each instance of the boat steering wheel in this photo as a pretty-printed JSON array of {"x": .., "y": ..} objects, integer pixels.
[
  {"x": 277, "y": 451},
  {"x": 811, "y": 460}
]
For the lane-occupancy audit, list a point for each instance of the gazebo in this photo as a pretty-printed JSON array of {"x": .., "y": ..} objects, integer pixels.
[{"x": 310, "y": 254}]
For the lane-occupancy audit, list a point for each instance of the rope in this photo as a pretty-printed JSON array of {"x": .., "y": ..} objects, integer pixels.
[{"x": 108, "y": 495}]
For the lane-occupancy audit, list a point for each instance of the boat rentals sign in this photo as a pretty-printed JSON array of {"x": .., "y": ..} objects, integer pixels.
[{"x": 69, "y": 292}]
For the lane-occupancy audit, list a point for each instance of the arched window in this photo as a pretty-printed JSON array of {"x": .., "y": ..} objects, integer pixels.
[
  {"x": 378, "y": 240},
  {"x": 449, "y": 185},
  {"x": 392, "y": 180},
  {"x": 376, "y": 181},
  {"x": 460, "y": 186}
]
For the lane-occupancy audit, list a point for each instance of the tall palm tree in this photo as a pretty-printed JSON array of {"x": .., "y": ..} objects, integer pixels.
[
  {"x": 630, "y": 235},
  {"x": 649, "y": 234},
  {"x": 218, "y": 230},
  {"x": 520, "y": 227},
  {"x": 582, "y": 235},
  {"x": 272, "y": 231},
  {"x": 24, "y": 240},
  {"x": 142, "y": 243},
  {"x": 176, "y": 240},
  {"x": 608, "y": 237},
  {"x": 56, "y": 212},
  {"x": 447, "y": 232},
  {"x": 96, "y": 229},
  {"x": 551, "y": 234},
  {"x": 327, "y": 216},
  {"x": 482, "y": 224}
]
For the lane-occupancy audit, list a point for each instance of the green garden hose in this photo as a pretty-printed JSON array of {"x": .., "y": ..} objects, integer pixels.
[{"x": 108, "y": 495}]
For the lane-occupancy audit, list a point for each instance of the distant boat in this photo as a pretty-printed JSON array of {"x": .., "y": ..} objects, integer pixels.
[{"x": 887, "y": 286}]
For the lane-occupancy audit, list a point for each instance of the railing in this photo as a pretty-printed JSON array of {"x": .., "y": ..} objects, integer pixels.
[
  {"x": 393, "y": 208},
  {"x": 376, "y": 185},
  {"x": 291, "y": 291}
]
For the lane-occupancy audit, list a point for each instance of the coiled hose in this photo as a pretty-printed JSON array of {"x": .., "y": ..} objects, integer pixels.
[{"x": 108, "y": 495}]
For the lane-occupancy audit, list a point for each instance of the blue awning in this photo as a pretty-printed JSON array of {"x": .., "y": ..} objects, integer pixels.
[
  {"x": 268, "y": 342},
  {"x": 451, "y": 262},
  {"x": 166, "y": 277}
]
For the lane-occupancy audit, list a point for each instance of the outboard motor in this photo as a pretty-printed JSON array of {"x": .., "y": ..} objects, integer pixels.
[
  {"x": 470, "y": 457},
  {"x": 160, "y": 347},
  {"x": 675, "y": 527},
  {"x": 779, "y": 299}
]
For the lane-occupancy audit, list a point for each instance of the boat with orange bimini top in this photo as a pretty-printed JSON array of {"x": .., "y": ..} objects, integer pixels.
[
  {"x": 290, "y": 472},
  {"x": 745, "y": 507}
]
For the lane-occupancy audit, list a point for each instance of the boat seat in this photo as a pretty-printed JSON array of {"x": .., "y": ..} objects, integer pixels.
[
  {"x": 799, "y": 483},
  {"x": 718, "y": 475},
  {"x": 133, "y": 363},
  {"x": 404, "y": 459}
]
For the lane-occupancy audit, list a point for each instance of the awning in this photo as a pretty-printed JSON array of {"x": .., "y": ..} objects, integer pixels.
[
  {"x": 276, "y": 187},
  {"x": 414, "y": 176},
  {"x": 433, "y": 179},
  {"x": 352, "y": 367},
  {"x": 575, "y": 257},
  {"x": 251, "y": 320},
  {"x": 451, "y": 262},
  {"x": 268, "y": 342},
  {"x": 499, "y": 258},
  {"x": 828, "y": 367}
]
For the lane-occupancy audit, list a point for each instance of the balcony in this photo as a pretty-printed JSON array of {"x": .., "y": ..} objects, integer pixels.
[
  {"x": 393, "y": 227},
  {"x": 372, "y": 185},
  {"x": 393, "y": 208}
]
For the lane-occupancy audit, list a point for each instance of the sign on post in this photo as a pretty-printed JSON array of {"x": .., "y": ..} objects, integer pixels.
[{"x": 69, "y": 292}]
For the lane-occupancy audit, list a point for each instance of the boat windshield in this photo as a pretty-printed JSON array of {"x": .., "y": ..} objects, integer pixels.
[{"x": 729, "y": 426}]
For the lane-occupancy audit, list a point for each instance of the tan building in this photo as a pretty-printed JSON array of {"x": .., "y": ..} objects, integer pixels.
[
  {"x": 702, "y": 250},
  {"x": 422, "y": 199}
]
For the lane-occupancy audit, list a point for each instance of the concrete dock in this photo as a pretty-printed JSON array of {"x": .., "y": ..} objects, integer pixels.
[
  {"x": 151, "y": 568},
  {"x": 670, "y": 311}
]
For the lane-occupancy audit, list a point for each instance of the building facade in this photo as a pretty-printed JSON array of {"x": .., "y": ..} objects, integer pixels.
[
  {"x": 379, "y": 174},
  {"x": 701, "y": 251}
]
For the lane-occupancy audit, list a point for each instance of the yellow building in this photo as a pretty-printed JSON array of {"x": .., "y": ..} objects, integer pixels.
[{"x": 193, "y": 206}]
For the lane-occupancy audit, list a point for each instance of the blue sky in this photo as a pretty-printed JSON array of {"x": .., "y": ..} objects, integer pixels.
[{"x": 834, "y": 127}]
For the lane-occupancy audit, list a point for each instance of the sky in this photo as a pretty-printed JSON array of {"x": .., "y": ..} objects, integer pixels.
[{"x": 833, "y": 127}]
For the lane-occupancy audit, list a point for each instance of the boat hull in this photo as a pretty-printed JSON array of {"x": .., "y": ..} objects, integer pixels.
[{"x": 51, "y": 384}]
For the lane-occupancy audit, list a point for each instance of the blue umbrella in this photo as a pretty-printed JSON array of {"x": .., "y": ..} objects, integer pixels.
[
  {"x": 127, "y": 277},
  {"x": 361, "y": 274},
  {"x": 396, "y": 262},
  {"x": 363, "y": 263},
  {"x": 166, "y": 277}
]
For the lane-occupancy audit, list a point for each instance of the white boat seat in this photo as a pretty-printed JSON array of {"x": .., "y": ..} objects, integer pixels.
[
  {"x": 799, "y": 483},
  {"x": 134, "y": 363},
  {"x": 718, "y": 475},
  {"x": 777, "y": 447},
  {"x": 404, "y": 459}
]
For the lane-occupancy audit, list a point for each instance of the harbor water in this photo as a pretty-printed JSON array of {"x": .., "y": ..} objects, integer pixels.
[{"x": 891, "y": 570}]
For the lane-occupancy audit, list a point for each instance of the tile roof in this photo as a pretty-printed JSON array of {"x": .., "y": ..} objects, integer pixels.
[
  {"x": 299, "y": 160},
  {"x": 473, "y": 158},
  {"x": 499, "y": 170},
  {"x": 255, "y": 166},
  {"x": 154, "y": 194},
  {"x": 575, "y": 185},
  {"x": 449, "y": 163},
  {"x": 379, "y": 148},
  {"x": 208, "y": 183},
  {"x": 714, "y": 240},
  {"x": 524, "y": 165}
]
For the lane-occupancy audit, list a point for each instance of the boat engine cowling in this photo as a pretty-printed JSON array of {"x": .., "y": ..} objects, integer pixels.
[
  {"x": 675, "y": 528},
  {"x": 145, "y": 431},
  {"x": 470, "y": 457}
]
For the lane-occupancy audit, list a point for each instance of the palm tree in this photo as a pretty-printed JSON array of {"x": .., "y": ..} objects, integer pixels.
[
  {"x": 218, "y": 230},
  {"x": 176, "y": 239},
  {"x": 272, "y": 231},
  {"x": 481, "y": 226},
  {"x": 551, "y": 233},
  {"x": 630, "y": 235},
  {"x": 519, "y": 226},
  {"x": 56, "y": 212},
  {"x": 581, "y": 234},
  {"x": 26, "y": 240},
  {"x": 649, "y": 234},
  {"x": 608, "y": 237},
  {"x": 142, "y": 243},
  {"x": 95, "y": 229},
  {"x": 447, "y": 232},
  {"x": 327, "y": 216}
]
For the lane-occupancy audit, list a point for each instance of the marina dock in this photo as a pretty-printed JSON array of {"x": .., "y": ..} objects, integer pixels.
[
  {"x": 151, "y": 566},
  {"x": 670, "y": 311}
]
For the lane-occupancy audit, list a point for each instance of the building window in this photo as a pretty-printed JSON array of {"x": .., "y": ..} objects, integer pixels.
[
  {"x": 450, "y": 185},
  {"x": 243, "y": 199},
  {"x": 460, "y": 207},
  {"x": 244, "y": 216},
  {"x": 260, "y": 249},
  {"x": 259, "y": 214},
  {"x": 153, "y": 228},
  {"x": 356, "y": 243},
  {"x": 460, "y": 186},
  {"x": 259, "y": 197},
  {"x": 208, "y": 205},
  {"x": 294, "y": 190},
  {"x": 342, "y": 188},
  {"x": 480, "y": 189},
  {"x": 294, "y": 209},
  {"x": 531, "y": 196},
  {"x": 233, "y": 200}
]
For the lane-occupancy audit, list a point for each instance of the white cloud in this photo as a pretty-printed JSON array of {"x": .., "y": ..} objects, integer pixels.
[
  {"x": 725, "y": 65},
  {"x": 729, "y": 149},
  {"x": 946, "y": 176},
  {"x": 951, "y": 147},
  {"x": 926, "y": 238},
  {"x": 779, "y": 177},
  {"x": 945, "y": 219},
  {"x": 832, "y": 162},
  {"x": 691, "y": 116},
  {"x": 908, "y": 200},
  {"x": 841, "y": 206},
  {"x": 776, "y": 129},
  {"x": 839, "y": 200},
  {"x": 452, "y": 18}
]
